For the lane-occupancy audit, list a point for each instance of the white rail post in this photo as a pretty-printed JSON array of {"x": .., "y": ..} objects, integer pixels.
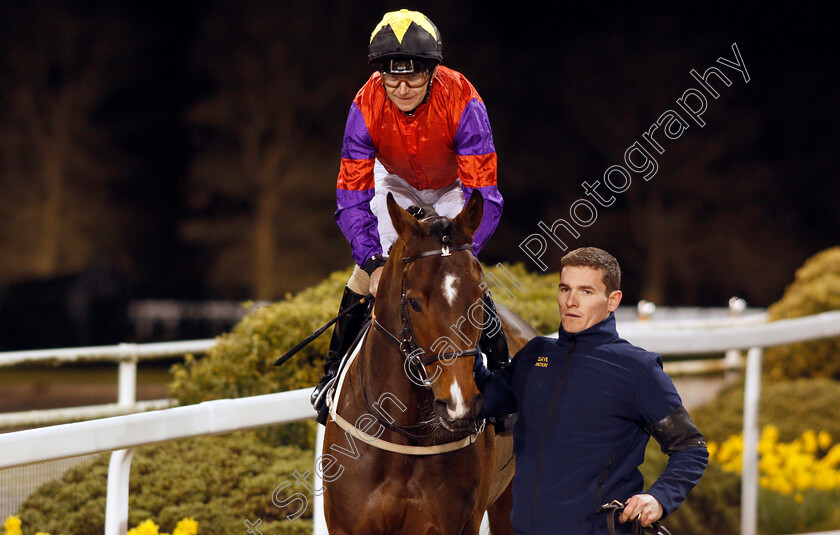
[
  {"x": 732, "y": 359},
  {"x": 116, "y": 502},
  {"x": 749, "y": 467},
  {"x": 128, "y": 375},
  {"x": 319, "y": 521}
]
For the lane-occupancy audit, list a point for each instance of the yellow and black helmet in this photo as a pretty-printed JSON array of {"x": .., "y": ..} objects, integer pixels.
[{"x": 405, "y": 42}]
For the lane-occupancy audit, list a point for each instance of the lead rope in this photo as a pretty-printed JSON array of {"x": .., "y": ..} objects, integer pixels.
[{"x": 615, "y": 507}]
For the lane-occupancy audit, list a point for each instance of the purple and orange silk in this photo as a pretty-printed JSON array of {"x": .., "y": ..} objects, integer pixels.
[{"x": 447, "y": 138}]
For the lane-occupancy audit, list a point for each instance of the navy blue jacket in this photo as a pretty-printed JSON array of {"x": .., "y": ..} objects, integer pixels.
[{"x": 584, "y": 401}]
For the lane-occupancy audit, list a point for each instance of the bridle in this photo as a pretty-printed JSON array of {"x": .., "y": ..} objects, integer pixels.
[{"x": 407, "y": 345}]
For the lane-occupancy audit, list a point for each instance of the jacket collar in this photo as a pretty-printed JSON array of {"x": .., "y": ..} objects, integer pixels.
[{"x": 600, "y": 333}]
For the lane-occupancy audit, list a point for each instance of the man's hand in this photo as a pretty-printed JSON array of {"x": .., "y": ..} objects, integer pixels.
[
  {"x": 643, "y": 506},
  {"x": 374, "y": 279}
]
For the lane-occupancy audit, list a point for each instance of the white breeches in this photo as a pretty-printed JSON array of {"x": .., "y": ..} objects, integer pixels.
[{"x": 447, "y": 202}]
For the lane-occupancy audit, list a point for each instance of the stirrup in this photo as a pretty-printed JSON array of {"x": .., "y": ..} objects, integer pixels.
[
  {"x": 318, "y": 402},
  {"x": 324, "y": 401}
]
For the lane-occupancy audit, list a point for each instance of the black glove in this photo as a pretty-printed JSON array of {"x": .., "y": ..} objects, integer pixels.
[{"x": 493, "y": 345}]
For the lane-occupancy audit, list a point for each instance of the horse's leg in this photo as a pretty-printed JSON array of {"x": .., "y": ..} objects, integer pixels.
[{"x": 499, "y": 513}]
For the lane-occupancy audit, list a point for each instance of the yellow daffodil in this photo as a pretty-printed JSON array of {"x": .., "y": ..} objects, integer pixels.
[
  {"x": 12, "y": 526},
  {"x": 187, "y": 526},
  {"x": 824, "y": 440},
  {"x": 786, "y": 467}
]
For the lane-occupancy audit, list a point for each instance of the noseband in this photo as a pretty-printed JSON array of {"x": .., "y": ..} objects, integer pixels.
[{"x": 407, "y": 344}]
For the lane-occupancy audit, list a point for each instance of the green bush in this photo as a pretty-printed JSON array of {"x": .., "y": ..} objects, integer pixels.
[
  {"x": 219, "y": 481},
  {"x": 714, "y": 504},
  {"x": 816, "y": 288},
  {"x": 241, "y": 364}
]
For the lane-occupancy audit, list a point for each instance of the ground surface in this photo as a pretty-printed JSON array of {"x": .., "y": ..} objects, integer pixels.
[{"x": 30, "y": 388}]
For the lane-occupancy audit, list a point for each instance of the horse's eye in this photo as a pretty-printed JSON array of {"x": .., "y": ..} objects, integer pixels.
[{"x": 413, "y": 303}]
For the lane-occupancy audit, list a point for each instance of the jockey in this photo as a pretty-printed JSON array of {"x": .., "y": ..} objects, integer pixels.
[{"x": 420, "y": 131}]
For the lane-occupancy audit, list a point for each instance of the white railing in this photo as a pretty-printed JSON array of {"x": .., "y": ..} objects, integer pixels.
[
  {"x": 127, "y": 355},
  {"x": 122, "y": 432}
]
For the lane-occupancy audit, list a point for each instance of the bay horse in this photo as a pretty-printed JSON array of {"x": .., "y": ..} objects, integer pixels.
[{"x": 405, "y": 411}]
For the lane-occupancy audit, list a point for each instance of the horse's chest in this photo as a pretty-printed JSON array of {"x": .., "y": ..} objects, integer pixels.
[{"x": 403, "y": 494}]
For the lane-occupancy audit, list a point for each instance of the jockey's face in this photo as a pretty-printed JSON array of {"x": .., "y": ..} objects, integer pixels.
[
  {"x": 583, "y": 298},
  {"x": 409, "y": 91}
]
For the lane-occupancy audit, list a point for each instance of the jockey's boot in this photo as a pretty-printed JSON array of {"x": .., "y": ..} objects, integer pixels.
[
  {"x": 345, "y": 332},
  {"x": 493, "y": 344}
]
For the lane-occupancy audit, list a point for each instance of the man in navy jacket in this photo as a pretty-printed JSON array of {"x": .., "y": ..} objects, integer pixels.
[{"x": 588, "y": 402}]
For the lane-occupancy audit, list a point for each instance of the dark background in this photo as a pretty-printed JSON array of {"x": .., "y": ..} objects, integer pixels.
[{"x": 189, "y": 150}]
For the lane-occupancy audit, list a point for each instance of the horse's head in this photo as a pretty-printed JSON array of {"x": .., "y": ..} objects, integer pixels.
[{"x": 440, "y": 286}]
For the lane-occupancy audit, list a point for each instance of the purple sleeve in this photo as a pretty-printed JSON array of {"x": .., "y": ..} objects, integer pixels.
[
  {"x": 357, "y": 143},
  {"x": 355, "y": 189},
  {"x": 474, "y": 135},
  {"x": 358, "y": 223},
  {"x": 493, "y": 204}
]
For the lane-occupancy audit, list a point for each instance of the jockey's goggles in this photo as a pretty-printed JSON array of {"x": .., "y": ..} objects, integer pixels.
[{"x": 414, "y": 80}]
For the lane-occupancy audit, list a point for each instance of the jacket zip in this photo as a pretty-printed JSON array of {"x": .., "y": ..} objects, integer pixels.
[
  {"x": 601, "y": 480},
  {"x": 546, "y": 428}
]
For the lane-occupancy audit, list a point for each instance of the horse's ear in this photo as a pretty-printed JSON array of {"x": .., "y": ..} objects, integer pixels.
[
  {"x": 470, "y": 216},
  {"x": 404, "y": 223}
]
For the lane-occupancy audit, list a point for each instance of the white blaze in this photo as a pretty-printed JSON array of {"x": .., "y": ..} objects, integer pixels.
[
  {"x": 449, "y": 290},
  {"x": 458, "y": 400}
]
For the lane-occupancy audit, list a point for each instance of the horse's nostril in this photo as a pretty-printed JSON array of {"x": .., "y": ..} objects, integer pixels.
[{"x": 445, "y": 408}]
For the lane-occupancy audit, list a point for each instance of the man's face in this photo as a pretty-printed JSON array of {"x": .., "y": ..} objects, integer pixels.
[
  {"x": 583, "y": 298},
  {"x": 406, "y": 91}
]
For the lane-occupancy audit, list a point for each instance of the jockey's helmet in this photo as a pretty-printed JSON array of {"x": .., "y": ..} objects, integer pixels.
[{"x": 405, "y": 42}]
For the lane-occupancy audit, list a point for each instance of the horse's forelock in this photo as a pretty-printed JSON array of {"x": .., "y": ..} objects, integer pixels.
[{"x": 440, "y": 227}]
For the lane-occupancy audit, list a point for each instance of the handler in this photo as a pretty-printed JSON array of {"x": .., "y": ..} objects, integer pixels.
[
  {"x": 588, "y": 402},
  {"x": 419, "y": 131}
]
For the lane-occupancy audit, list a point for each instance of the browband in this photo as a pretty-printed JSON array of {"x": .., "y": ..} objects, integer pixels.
[{"x": 445, "y": 250}]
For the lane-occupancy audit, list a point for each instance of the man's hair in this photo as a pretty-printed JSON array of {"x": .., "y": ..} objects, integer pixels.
[{"x": 598, "y": 259}]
